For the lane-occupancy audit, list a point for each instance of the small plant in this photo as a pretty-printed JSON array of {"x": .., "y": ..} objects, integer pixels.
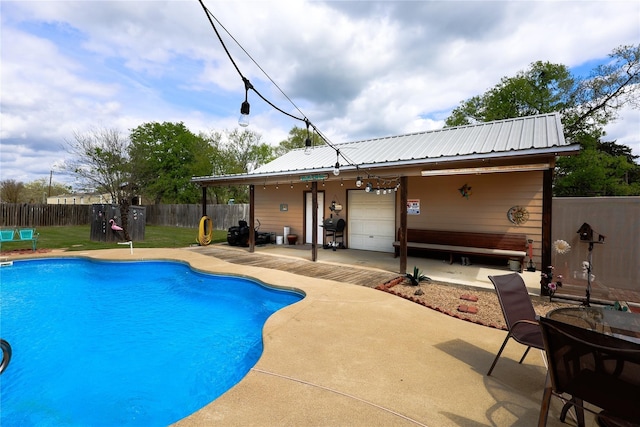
[
  {"x": 550, "y": 287},
  {"x": 417, "y": 277}
]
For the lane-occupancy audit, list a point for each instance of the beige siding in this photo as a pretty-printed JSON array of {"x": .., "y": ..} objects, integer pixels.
[
  {"x": 267, "y": 211},
  {"x": 268, "y": 200},
  {"x": 442, "y": 207}
]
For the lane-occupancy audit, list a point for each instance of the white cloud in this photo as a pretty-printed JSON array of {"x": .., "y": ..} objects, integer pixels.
[{"x": 356, "y": 69}]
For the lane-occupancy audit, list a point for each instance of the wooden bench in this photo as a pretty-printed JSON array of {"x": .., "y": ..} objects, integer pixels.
[
  {"x": 498, "y": 245},
  {"x": 19, "y": 235}
]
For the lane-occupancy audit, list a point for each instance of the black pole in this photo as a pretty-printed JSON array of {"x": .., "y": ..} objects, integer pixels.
[{"x": 204, "y": 201}]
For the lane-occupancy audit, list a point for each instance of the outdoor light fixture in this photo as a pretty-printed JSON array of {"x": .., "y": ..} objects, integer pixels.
[
  {"x": 336, "y": 169},
  {"x": 368, "y": 188},
  {"x": 245, "y": 107},
  {"x": 358, "y": 182}
]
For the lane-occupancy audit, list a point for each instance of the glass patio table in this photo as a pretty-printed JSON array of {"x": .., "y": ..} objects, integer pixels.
[{"x": 620, "y": 324}]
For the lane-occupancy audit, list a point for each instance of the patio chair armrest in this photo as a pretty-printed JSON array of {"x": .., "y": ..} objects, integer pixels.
[
  {"x": 531, "y": 322},
  {"x": 525, "y": 322}
]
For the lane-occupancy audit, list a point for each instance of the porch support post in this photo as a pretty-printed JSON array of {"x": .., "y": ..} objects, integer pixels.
[
  {"x": 547, "y": 200},
  {"x": 252, "y": 219},
  {"x": 402, "y": 235},
  {"x": 204, "y": 201},
  {"x": 314, "y": 221}
]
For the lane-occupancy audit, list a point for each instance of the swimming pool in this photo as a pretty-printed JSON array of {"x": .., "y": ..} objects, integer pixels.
[{"x": 125, "y": 343}]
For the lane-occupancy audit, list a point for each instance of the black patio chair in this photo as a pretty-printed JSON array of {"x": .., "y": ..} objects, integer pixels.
[
  {"x": 518, "y": 312},
  {"x": 591, "y": 367}
]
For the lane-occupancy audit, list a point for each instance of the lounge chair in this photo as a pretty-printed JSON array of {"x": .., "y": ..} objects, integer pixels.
[{"x": 519, "y": 315}]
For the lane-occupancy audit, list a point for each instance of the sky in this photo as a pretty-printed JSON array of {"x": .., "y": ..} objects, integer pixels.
[{"x": 355, "y": 69}]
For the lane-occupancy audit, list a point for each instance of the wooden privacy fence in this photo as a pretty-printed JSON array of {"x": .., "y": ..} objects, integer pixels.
[
  {"x": 42, "y": 215},
  {"x": 223, "y": 216},
  {"x": 29, "y": 215}
]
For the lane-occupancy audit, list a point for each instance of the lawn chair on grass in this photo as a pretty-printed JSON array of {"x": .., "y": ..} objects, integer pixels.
[
  {"x": 519, "y": 315},
  {"x": 20, "y": 235},
  {"x": 7, "y": 235}
]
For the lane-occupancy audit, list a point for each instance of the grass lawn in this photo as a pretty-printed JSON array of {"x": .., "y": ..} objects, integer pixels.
[{"x": 76, "y": 238}]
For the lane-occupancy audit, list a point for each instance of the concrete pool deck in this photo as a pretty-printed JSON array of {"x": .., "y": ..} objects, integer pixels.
[{"x": 350, "y": 355}]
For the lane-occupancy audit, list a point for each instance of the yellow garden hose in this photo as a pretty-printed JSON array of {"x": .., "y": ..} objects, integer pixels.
[{"x": 205, "y": 231}]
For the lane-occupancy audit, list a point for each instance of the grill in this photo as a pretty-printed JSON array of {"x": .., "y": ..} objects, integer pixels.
[
  {"x": 331, "y": 224},
  {"x": 334, "y": 231}
]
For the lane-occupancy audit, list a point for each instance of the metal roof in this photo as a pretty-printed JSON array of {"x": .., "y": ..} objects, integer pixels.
[{"x": 540, "y": 134}]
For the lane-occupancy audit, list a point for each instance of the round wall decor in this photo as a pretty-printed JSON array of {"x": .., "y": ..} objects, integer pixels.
[{"x": 518, "y": 215}]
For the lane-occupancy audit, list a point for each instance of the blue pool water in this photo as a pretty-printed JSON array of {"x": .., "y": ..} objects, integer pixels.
[{"x": 125, "y": 343}]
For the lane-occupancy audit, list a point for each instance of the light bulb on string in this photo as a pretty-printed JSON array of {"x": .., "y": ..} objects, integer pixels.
[
  {"x": 307, "y": 141},
  {"x": 245, "y": 107}
]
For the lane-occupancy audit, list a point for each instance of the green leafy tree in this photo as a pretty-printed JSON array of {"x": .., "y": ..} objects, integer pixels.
[
  {"x": 38, "y": 190},
  {"x": 219, "y": 165},
  {"x": 243, "y": 151},
  {"x": 585, "y": 105},
  {"x": 297, "y": 139},
  {"x": 164, "y": 157},
  {"x": 11, "y": 191},
  {"x": 100, "y": 163}
]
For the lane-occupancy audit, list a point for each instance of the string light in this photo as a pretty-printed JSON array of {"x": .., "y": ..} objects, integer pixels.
[
  {"x": 307, "y": 141},
  {"x": 245, "y": 107}
]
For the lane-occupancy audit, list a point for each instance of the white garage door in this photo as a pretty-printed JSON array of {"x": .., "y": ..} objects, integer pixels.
[{"x": 371, "y": 224}]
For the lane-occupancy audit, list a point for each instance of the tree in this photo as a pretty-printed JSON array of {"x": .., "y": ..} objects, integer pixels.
[
  {"x": 245, "y": 151},
  {"x": 585, "y": 106},
  {"x": 166, "y": 156},
  {"x": 297, "y": 139},
  {"x": 100, "y": 162},
  {"x": 11, "y": 190},
  {"x": 38, "y": 190},
  {"x": 236, "y": 151}
]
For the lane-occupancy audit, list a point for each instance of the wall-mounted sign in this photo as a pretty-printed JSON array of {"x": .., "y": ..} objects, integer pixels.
[
  {"x": 318, "y": 177},
  {"x": 413, "y": 207}
]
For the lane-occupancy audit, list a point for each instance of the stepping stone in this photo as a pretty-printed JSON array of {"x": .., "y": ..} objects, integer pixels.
[
  {"x": 471, "y": 298},
  {"x": 463, "y": 308}
]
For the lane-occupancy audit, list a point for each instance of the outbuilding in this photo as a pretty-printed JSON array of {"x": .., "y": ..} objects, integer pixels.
[{"x": 444, "y": 191}]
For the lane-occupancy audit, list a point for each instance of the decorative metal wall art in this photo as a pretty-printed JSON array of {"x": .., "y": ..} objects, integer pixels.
[
  {"x": 465, "y": 191},
  {"x": 518, "y": 215}
]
